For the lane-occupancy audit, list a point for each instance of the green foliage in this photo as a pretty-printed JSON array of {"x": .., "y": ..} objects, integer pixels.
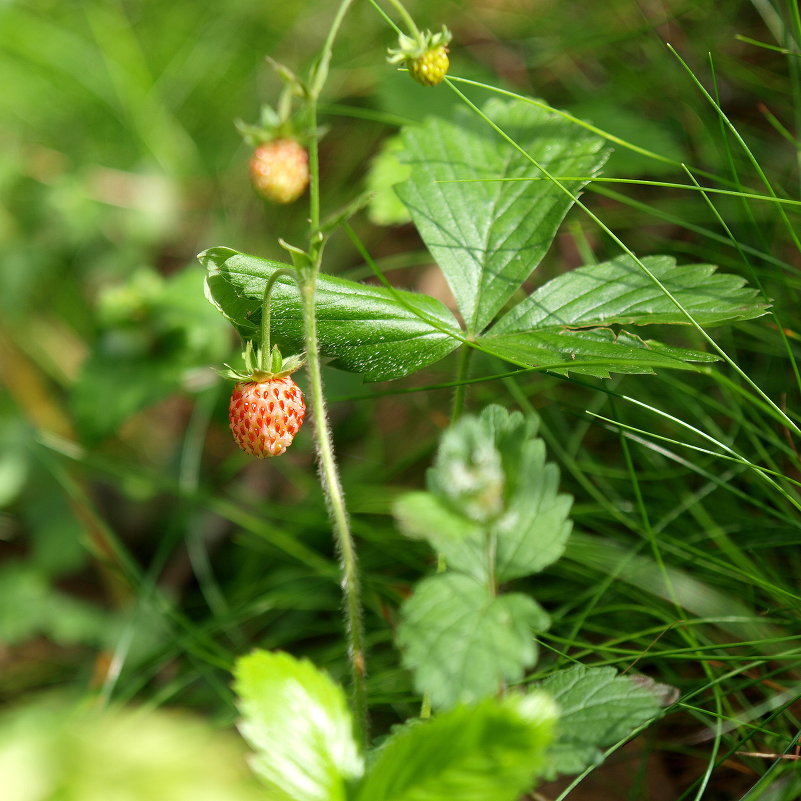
[
  {"x": 463, "y": 642},
  {"x": 488, "y": 214},
  {"x": 379, "y": 332},
  {"x": 470, "y": 195},
  {"x": 119, "y": 160},
  {"x": 597, "y": 707},
  {"x": 494, "y": 512},
  {"x": 50, "y": 751},
  {"x": 597, "y": 352},
  {"x": 27, "y": 602},
  {"x": 492, "y": 750},
  {"x": 157, "y": 335},
  {"x": 557, "y": 322},
  {"x": 619, "y": 292},
  {"x": 386, "y": 171},
  {"x": 297, "y": 721}
]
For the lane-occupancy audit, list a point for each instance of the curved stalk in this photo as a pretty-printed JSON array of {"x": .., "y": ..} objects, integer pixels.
[
  {"x": 264, "y": 346},
  {"x": 407, "y": 19}
]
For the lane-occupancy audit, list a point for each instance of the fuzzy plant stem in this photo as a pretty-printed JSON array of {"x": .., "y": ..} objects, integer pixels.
[
  {"x": 335, "y": 497},
  {"x": 329, "y": 473}
]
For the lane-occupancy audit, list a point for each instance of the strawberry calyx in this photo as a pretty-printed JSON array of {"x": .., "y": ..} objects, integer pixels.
[
  {"x": 260, "y": 367},
  {"x": 279, "y": 122}
]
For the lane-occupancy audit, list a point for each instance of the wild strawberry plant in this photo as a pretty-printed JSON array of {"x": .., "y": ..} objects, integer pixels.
[
  {"x": 677, "y": 557},
  {"x": 487, "y": 190}
]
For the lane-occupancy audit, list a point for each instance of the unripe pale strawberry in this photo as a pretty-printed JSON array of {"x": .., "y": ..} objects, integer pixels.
[
  {"x": 279, "y": 170},
  {"x": 430, "y": 68},
  {"x": 265, "y": 415}
]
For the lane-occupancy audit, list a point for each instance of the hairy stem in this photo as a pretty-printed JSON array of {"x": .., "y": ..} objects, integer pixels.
[
  {"x": 329, "y": 473},
  {"x": 335, "y": 497}
]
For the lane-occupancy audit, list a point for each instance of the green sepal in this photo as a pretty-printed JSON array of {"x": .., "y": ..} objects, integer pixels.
[
  {"x": 411, "y": 47},
  {"x": 277, "y": 123},
  {"x": 278, "y": 366}
]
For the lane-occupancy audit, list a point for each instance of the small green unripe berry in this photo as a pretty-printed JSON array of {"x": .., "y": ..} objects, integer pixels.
[{"x": 430, "y": 68}]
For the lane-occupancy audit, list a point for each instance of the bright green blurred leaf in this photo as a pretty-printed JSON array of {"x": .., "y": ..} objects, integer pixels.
[
  {"x": 297, "y": 721},
  {"x": 462, "y": 543},
  {"x": 487, "y": 232},
  {"x": 597, "y": 708},
  {"x": 378, "y": 332},
  {"x": 463, "y": 642},
  {"x": 490, "y": 751},
  {"x": 15, "y": 454},
  {"x": 386, "y": 170},
  {"x": 77, "y": 755}
]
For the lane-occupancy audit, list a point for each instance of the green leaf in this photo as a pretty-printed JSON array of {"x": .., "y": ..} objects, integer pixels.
[
  {"x": 52, "y": 750},
  {"x": 491, "y": 470},
  {"x": 487, "y": 232},
  {"x": 491, "y": 751},
  {"x": 619, "y": 292},
  {"x": 463, "y": 642},
  {"x": 597, "y": 708},
  {"x": 596, "y": 351},
  {"x": 296, "y": 719},
  {"x": 533, "y": 532},
  {"x": 462, "y": 543},
  {"x": 379, "y": 332},
  {"x": 385, "y": 172}
]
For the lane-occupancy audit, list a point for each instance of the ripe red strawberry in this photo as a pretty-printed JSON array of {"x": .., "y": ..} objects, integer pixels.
[
  {"x": 431, "y": 67},
  {"x": 266, "y": 415},
  {"x": 279, "y": 170}
]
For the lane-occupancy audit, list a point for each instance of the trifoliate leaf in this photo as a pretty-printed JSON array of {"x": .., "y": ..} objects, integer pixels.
[
  {"x": 490, "y": 751},
  {"x": 463, "y": 642},
  {"x": 297, "y": 721}
]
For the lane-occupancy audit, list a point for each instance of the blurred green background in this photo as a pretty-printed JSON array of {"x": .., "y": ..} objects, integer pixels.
[{"x": 139, "y": 551}]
